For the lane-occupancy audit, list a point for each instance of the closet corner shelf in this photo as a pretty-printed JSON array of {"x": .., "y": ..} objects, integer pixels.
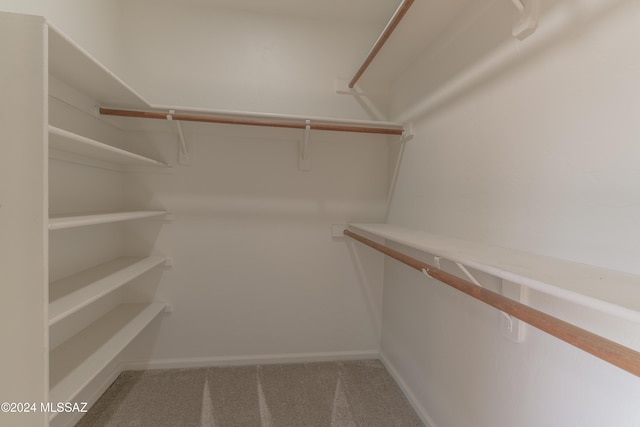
[
  {"x": 612, "y": 292},
  {"x": 73, "y": 65},
  {"x": 75, "y": 363},
  {"x": 68, "y": 295},
  {"x": 69, "y": 142},
  {"x": 71, "y": 221}
]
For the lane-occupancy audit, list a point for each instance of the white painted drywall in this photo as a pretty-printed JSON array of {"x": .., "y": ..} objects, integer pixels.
[
  {"x": 29, "y": 7},
  {"x": 94, "y": 25},
  {"x": 256, "y": 272},
  {"x": 194, "y": 54},
  {"x": 531, "y": 145}
]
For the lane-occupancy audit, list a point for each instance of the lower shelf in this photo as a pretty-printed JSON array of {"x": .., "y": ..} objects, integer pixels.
[
  {"x": 74, "y": 364},
  {"x": 68, "y": 295}
]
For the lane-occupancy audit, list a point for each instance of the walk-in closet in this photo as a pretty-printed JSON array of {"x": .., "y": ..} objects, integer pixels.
[{"x": 320, "y": 213}]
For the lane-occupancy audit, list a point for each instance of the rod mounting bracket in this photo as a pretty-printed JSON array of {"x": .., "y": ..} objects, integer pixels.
[
  {"x": 510, "y": 327},
  {"x": 304, "y": 155},
  {"x": 185, "y": 154},
  {"x": 408, "y": 133},
  {"x": 527, "y": 16}
]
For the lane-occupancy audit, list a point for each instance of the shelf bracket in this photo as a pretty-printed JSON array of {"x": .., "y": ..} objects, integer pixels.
[
  {"x": 184, "y": 152},
  {"x": 513, "y": 328},
  {"x": 304, "y": 155},
  {"x": 528, "y": 12},
  {"x": 507, "y": 323},
  {"x": 510, "y": 327}
]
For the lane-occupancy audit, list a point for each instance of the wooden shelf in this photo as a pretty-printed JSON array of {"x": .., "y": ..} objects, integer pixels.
[
  {"x": 68, "y": 295},
  {"x": 79, "y": 360},
  {"x": 69, "y": 142},
  {"x": 71, "y": 221},
  {"x": 608, "y": 291},
  {"x": 73, "y": 65}
]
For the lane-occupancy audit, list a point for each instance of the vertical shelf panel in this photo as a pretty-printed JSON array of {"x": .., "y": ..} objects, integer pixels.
[{"x": 23, "y": 245}]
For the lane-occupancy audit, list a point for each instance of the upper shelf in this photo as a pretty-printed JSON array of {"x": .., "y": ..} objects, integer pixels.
[
  {"x": 608, "y": 291},
  {"x": 72, "y": 221},
  {"x": 73, "y": 65},
  {"x": 63, "y": 140}
]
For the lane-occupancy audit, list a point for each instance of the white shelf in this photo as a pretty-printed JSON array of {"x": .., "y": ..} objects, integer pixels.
[
  {"x": 68, "y": 295},
  {"x": 608, "y": 291},
  {"x": 61, "y": 222},
  {"x": 73, "y": 65},
  {"x": 79, "y": 360},
  {"x": 69, "y": 142}
]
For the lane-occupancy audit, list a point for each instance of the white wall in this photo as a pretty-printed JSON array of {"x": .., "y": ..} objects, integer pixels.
[
  {"x": 531, "y": 145},
  {"x": 30, "y": 7},
  {"x": 192, "y": 54},
  {"x": 94, "y": 25},
  {"x": 257, "y": 274}
]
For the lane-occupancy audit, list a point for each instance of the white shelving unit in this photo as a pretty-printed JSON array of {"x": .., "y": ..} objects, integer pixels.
[
  {"x": 69, "y": 142},
  {"x": 72, "y": 221},
  {"x": 613, "y": 292},
  {"x": 79, "y": 360},
  {"x": 68, "y": 295}
]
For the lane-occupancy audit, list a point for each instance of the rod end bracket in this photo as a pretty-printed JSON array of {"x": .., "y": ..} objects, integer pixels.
[{"x": 528, "y": 13}]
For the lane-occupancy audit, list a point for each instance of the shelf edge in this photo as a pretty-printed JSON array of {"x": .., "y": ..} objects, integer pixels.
[{"x": 59, "y": 310}]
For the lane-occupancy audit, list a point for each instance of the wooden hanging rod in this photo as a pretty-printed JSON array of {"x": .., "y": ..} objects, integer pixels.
[
  {"x": 607, "y": 350},
  {"x": 382, "y": 39},
  {"x": 251, "y": 122}
]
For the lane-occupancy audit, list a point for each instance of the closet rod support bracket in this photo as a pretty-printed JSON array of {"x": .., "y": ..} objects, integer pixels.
[
  {"x": 408, "y": 133},
  {"x": 510, "y": 327},
  {"x": 337, "y": 230},
  {"x": 184, "y": 153},
  {"x": 304, "y": 157},
  {"x": 528, "y": 13}
]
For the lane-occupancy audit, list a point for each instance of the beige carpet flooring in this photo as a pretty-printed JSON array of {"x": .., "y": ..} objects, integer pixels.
[{"x": 331, "y": 394}]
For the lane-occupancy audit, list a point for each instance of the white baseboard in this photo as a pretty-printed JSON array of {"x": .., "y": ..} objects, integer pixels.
[
  {"x": 268, "y": 359},
  {"x": 421, "y": 411}
]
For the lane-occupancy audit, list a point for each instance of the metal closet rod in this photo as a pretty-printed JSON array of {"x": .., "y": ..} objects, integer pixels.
[
  {"x": 382, "y": 39},
  {"x": 251, "y": 121},
  {"x": 607, "y": 350}
]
